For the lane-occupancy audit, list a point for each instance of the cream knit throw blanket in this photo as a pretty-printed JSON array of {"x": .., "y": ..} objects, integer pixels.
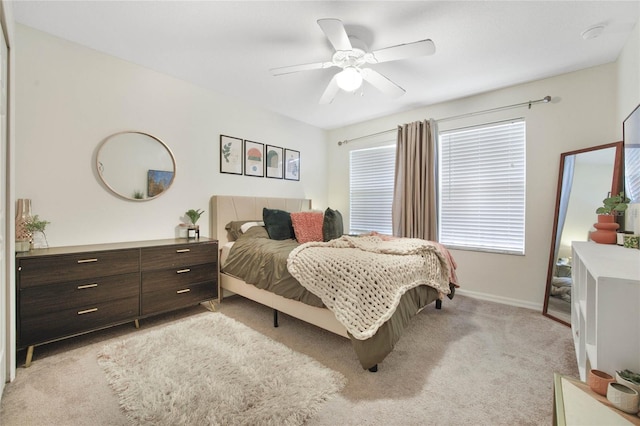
[{"x": 361, "y": 279}]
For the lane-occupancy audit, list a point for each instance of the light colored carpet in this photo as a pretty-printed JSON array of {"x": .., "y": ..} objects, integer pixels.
[
  {"x": 213, "y": 370},
  {"x": 474, "y": 362}
]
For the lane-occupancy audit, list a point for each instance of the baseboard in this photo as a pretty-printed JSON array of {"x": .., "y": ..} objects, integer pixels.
[{"x": 500, "y": 299}]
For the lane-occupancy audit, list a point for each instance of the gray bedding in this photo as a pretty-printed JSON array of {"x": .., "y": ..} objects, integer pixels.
[{"x": 262, "y": 262}]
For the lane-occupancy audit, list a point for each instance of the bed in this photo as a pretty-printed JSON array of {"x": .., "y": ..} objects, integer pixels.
[{"x": 370, "y": 351}]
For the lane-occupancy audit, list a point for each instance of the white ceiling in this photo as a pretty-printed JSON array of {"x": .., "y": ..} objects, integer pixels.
[{"x": 230, "y": 46}]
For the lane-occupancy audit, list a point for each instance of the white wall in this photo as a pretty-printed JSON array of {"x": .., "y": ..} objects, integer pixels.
[
  {"x": 69, "y": 98},
  {"x": 582, "y": 114},
  {"x": 628, "y": 89}
]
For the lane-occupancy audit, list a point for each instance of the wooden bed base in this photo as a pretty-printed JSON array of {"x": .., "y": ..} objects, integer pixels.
[{"x": 226, "y": 208}]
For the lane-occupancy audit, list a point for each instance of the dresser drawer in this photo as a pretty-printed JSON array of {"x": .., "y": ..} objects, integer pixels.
[
  {"x": 42, "y": 328},
  {"x": 168, "y": 299},
  {"x": 46, "y": 299},
  {"x": 72, "y": 267},
  {"x": 177, "y": 279},
  {"x": 178, "y": 255}
]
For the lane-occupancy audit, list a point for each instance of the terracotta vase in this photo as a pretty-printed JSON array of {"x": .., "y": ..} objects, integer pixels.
[
  {"x": 605, "y": 232},
  {"x": 599, "y": 381}
]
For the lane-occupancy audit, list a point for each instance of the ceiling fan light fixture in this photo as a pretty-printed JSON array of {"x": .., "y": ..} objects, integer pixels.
[{"x": 349, "y": 79}]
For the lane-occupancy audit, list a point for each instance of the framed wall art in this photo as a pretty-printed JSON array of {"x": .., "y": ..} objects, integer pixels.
[
  {"x": 274, "y": 162},
  {"x": 253, "y": 158},
  {"x": 291, "y": 164},
  {"x": 230, "y": 155}
]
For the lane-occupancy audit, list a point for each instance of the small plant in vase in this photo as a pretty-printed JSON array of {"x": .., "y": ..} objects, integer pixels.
[
  {"x": 34, "y": 225},
  {"x": 193, "y": 215},
  {"x": 606, "y": 227},
  {"x": 614, "y": 206}
]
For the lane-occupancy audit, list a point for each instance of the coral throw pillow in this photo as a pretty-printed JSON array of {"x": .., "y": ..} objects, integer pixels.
[{"x": 307, "y": 226}]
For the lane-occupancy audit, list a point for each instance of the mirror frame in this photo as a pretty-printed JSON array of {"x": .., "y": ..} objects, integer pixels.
[
  {"x": 110, "y": 188},
  {"x": 616, "y": 187}
]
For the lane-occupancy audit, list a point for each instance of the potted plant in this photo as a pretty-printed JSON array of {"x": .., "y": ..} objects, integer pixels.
[
  {"x": 614, "y": 206},
  {"x": 606, "y": 227},
  {"x": 34, "y": 225},
  {"x": 193, "y": 231}
]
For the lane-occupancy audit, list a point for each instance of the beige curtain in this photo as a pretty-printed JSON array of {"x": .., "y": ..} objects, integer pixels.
[{"x": 414, "y": 211}]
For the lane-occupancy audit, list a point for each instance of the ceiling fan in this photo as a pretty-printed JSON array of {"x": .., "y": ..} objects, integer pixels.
[{"x": 351, "y": 55}]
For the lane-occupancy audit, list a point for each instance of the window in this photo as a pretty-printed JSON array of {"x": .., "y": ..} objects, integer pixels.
[
  {"x": 371, "y": 177},
  {"x": 482, "y": 187}
]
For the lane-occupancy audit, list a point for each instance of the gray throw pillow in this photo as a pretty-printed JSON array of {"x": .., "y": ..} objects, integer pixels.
[
  {"x": 332, "y": 226},
  {"x": 233, "y": 228},
  {"x": 278, "y": 224}
]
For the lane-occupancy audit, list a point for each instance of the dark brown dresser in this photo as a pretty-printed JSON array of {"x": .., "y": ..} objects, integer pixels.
[{"x": 66, "y": 291}]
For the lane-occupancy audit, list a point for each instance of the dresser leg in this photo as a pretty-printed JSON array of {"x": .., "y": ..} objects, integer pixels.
[
  {"x": 27, "y": 362},
  {"x": 136, "y": 323},
  {"x": 212, "y": 305}
]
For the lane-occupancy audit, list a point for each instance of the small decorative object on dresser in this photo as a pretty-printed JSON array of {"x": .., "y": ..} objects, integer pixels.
[
  {"x": 606, "y": 227},
  {"x": 23, "y": 215},
  {"x": 194, "y": 230},
  {"x": 36, "y": 227}
]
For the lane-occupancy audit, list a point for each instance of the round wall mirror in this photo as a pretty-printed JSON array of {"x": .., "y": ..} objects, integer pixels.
[{"x": 135, "y": 165}]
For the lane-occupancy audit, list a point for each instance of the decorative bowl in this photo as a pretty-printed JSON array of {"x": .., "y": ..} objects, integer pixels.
[
  {"x": 626, "y": 382},
  {"x": 623, "y": 397},
  {"x": 599, "y": 381}
]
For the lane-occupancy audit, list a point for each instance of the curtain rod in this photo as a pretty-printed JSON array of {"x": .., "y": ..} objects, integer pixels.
[{"x": 544, "y": 100}]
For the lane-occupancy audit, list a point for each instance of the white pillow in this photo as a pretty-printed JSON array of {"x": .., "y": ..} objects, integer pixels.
[{"x": 246, "y": 226}]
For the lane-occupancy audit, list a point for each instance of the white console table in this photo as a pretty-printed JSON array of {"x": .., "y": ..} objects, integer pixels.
[{"x": 605, "y": 307}]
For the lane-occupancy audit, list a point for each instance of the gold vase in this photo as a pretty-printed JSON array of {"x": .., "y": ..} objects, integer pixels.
[{"x": 23, "y": 215}]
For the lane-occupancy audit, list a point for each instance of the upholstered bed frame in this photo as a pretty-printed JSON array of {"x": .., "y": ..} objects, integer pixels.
[{"x": 227, "y": 208}]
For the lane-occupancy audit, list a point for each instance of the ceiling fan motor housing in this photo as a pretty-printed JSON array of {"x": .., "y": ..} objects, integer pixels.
[{"x": 355, "y": 57}]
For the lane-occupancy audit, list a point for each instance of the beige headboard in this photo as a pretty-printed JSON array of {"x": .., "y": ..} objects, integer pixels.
[{"x": 227, "y": 208}]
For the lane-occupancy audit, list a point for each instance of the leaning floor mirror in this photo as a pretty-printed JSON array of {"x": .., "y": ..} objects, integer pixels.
[{"x": 586, "y": 177}]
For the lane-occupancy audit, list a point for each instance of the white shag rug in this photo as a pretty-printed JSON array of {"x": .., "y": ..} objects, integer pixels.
[{"x": 212, "y": 370}]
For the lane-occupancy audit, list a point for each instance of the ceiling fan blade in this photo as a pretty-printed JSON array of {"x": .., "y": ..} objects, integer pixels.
[
  {"x": 404, "y": 51},
  {"x": 331, "y": 91},
  {"x": 335, "y": 32},
  {"x": 382, "y": 83},
  {"x": 298, "y": 68}
]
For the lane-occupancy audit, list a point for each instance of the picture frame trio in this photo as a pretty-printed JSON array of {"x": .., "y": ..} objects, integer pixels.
[{"x": 238, "y": 157}]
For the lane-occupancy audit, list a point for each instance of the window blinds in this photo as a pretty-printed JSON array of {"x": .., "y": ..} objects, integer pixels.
[
  {"x": 371, "y": 177},
  {"x": 482, "y": 187}
]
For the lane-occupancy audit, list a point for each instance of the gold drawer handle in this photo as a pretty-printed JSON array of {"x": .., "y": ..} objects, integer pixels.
[
  {"x": 182, "y": 271},
  {"x": 186, "y": 290},
  {"x": 87, "y": 260},
  {"x": 183, "y": 251},
  {"x": 87, "y": 311},
  {"x": 82, "y": 287}
]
